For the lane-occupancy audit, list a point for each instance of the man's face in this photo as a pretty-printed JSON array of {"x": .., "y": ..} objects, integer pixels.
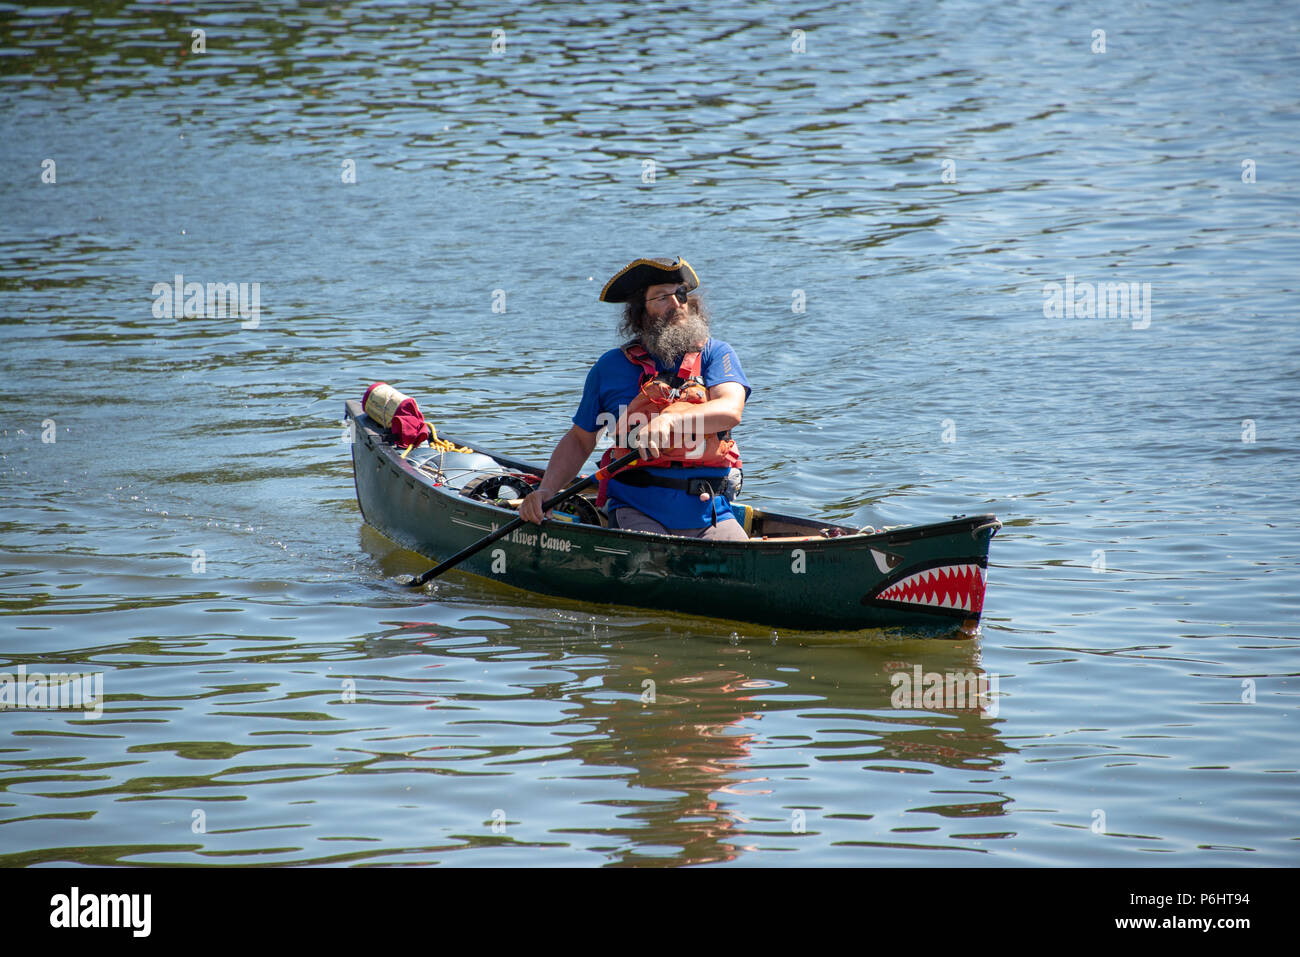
[
  {"x": 662, "y": 306},
  {"x": 671, "y": 328}
]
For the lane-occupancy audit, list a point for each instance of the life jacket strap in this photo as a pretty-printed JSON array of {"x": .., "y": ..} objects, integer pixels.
[
  {"x": 640, "y": 478},
  {"x": 691, "y": 368}
]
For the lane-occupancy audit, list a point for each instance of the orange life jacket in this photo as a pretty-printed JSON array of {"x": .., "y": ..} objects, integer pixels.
[{"x": 662, "y": 392}]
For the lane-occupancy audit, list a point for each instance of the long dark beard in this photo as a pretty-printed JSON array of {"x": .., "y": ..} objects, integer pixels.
[{"x": 670, "y": 343}]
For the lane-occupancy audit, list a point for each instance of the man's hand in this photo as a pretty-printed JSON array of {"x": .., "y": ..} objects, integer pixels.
[
  {"x": 657, "y": 435},
  {"x": 689, "y": 430},
  {"x": 530, "y": 509},
  {"x": 567, "y": 458}
]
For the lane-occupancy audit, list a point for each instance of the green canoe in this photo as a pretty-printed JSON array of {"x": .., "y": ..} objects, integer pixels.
[{"x": 793, "y": 573}]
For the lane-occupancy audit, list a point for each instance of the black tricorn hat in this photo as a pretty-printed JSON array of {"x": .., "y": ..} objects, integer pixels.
[{"x": 635, "y": 276}]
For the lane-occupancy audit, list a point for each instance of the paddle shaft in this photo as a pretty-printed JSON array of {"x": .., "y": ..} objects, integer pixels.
[{"x": 510, "y": 526}]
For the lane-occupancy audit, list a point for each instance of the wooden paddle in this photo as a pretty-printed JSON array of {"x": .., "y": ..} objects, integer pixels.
[{"x": 509, "y": 527}]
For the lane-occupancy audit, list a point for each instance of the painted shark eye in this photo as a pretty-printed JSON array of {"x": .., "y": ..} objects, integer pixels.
[{"x": 886, "y": 561}]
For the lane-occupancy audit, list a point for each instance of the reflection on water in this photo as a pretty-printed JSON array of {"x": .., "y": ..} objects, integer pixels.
[
  {"x": 177, "y": 506},
  {"x": 649, "y": 742}
]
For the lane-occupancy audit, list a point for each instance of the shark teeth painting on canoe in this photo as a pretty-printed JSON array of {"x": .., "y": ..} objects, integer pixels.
[
  {"x": 955, "y": 589},
  {"x": 792, "y": 572}
]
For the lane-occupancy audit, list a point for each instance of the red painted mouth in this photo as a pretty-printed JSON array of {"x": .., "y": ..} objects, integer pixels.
[{"x": 950, "y": 587}]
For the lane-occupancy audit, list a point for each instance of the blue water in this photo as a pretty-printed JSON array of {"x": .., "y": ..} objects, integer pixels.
[{"x": 279, "y": 699}]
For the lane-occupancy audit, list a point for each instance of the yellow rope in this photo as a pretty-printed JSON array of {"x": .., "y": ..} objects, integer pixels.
[
  {"x": 443, "y": 445},
  {"x": 437, "y": 444}
]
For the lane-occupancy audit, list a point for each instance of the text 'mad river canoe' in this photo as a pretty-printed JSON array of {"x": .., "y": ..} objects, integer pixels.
[{"x": 793, "y": 573}]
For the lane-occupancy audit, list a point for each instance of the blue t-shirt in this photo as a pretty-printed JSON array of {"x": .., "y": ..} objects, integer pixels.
[{"x": 612, "y": 384}]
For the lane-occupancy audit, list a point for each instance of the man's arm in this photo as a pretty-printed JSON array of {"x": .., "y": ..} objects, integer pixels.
[
  {"x": 721, "y": 412},
  {"x": 569, "y": 455}
]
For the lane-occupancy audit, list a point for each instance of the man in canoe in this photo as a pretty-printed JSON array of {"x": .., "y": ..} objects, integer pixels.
[{"x": 688, "y": 390}]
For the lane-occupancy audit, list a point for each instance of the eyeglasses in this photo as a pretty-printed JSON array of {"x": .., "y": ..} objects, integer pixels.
[{"x": 680, "y": 292}]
